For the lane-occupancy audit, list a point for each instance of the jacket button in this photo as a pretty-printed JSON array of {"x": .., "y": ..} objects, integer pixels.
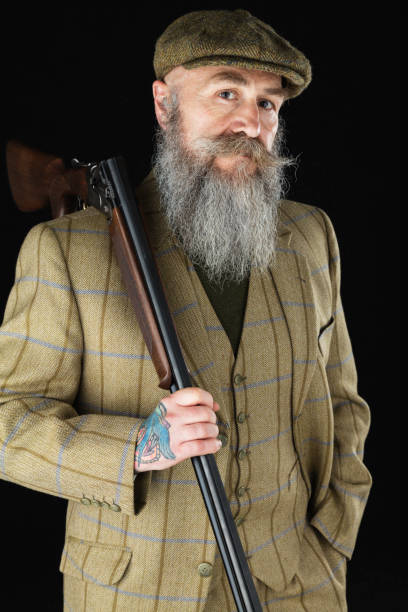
[
  {"x": 242, "y": 454},
  {"x": 105, "y": 505},
  {"x": 223, "y": 438},
  {"x": 241, "y": 417},
  {"x": 205, "y": 569},
  {"x": 115, "y": 508},
  {"x": 86, "y": 501},
  {"x": 241, "y": 491},
  {"x": 238, "y": 379},
  {"x": 96, "y": 502}
]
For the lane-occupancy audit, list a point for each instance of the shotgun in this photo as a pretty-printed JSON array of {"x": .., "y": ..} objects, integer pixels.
[{"x": 106, "y": 186}]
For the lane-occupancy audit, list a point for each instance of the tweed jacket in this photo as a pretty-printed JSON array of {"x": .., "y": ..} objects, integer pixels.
[{"x": 76, "y": 381}]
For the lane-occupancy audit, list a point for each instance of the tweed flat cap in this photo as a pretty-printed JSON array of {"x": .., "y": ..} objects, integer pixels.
[{"x": 235, "y": 38}]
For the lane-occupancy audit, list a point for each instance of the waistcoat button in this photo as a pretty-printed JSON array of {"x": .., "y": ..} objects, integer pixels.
[
  {"x": 241, "y": 491},
  {"x": 205, "y": 569},
  {"x": 238, "y": 379},
  {"x": 242, "y": 454},
  {"x": 223, "y": 438},
  {"x": 241, "y": 417}
]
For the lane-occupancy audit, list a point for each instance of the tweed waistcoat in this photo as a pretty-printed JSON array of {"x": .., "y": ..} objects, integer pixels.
[
  {"x": 263, "y": 481},
  {"x": 76, "y": 380}
]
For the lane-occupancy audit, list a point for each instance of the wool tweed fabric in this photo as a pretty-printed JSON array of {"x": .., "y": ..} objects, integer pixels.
[
  {"x": 233, "y": 38},
  {"x": 76, "y": 381}
]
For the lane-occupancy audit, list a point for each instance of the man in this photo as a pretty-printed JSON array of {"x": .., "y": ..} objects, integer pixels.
[{"x": 253, "y": 283}]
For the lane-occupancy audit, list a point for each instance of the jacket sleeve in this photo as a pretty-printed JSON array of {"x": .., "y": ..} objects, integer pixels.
[
  {"x": 339, "y": 515},
  {"x": 44, "y": 443}
]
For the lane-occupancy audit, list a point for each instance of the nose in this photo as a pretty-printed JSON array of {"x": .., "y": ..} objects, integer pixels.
[{"x": 246, "y": 119}]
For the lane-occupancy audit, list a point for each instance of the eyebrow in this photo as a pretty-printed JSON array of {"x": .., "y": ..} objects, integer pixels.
[{"x": 235, "y": 77}]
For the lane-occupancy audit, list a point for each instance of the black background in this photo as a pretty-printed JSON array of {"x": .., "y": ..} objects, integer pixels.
[{"x": 77, "y": 83}]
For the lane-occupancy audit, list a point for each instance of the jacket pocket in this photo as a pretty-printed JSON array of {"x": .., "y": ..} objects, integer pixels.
[
  {"x": 97, "y": 563},
  {"x": 275, "y": 561},
  {"x": 325, "y": 337}
]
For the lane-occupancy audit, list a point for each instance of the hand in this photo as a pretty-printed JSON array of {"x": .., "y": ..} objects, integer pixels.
[{"x": 182, "y": 425}]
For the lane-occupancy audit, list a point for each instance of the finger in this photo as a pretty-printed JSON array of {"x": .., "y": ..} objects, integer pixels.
[
  {"x": 196, "y": 448},
  {"x": 198, "y": 431},
  {"x": 196, "y": 414},
  {"x": 192, "y": 396}
]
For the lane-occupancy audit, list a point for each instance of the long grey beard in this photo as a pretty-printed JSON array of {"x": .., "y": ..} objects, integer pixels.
[{"x": 226, "y": 223}]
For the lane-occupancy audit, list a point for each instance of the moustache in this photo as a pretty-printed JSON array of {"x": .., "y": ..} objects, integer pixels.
[{"x": 236, "y": 144}]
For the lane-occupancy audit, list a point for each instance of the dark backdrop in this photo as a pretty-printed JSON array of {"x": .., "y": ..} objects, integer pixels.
[{"x": 78, "y": 83}]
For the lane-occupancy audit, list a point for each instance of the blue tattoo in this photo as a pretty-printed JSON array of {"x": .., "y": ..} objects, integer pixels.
[{"x": 153, "y": 439}]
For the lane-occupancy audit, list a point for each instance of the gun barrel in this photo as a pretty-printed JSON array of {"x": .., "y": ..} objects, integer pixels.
[{"x": 209, "y": 479}]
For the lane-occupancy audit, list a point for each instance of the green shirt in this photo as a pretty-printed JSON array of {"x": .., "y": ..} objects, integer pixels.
[{"x": 229, "y": 304}]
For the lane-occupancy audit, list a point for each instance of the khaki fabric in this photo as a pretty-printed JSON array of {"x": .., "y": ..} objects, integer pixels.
[
  {"x": 76, "y": 381},
  {"x": 319, "y": 583}
]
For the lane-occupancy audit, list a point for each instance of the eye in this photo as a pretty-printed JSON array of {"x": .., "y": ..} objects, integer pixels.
[
  {"x": 227, "y": 94},
  {"x": 267, "y": 105}
]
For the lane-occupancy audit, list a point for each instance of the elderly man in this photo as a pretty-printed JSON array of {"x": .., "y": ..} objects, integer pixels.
[{"x": 253, "y": 284}]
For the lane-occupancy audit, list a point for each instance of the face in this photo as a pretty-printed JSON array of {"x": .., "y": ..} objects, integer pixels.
[
  {"x": 223, "y": 100},
  {"x": 219, "y": 186}
]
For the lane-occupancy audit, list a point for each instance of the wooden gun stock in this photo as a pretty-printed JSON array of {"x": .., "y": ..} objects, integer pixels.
[
  {"x": 136, "y": 289},
  {"x": 38, "y": 180}
]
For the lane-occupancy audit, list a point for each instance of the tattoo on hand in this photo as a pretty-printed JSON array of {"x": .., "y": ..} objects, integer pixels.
[{"x": 153, "y": 439}]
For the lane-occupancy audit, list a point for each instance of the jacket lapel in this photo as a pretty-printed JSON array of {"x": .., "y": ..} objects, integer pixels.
[{"x": 291, "y": 276}]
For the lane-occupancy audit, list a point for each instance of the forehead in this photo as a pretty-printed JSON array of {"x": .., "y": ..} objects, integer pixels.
[{"x": 206, "y": 76}]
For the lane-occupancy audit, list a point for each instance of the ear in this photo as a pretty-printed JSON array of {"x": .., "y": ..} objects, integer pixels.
[{"x": 161, "y": 95}]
